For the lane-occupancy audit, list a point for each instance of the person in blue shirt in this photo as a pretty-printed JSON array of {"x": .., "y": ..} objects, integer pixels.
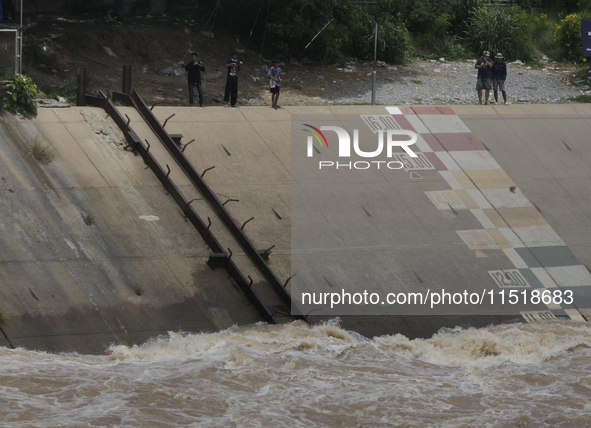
[
  {"x": 483, "y": 81},
  {"x": 499, "y": 71},
  {"x": 275, "y": 74}
]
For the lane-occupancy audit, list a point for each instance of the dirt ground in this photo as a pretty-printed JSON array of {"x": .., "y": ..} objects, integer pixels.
[{"x": 56, "y": 47}]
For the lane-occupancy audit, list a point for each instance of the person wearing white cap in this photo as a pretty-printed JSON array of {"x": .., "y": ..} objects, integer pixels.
[
  {"x": 484, "y": 67},
  {"x": 499, "y": 71}
]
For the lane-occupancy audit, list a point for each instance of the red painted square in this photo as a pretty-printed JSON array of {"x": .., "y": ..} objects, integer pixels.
[
  {"x": 460, "y": 141},
  {"x": 407, "y": 110},
  {"x": 403, "y": 122},
  {"x": 432, "y": 142},
  {"x": 435, "y": 161},
  {"x": 426, "y": 110}
]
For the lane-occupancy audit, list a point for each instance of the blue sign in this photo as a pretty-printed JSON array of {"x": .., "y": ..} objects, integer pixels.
[{"x": 586, "y": 37}]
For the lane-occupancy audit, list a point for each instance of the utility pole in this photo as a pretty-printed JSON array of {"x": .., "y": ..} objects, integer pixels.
[{"x": 375, "y": 65}]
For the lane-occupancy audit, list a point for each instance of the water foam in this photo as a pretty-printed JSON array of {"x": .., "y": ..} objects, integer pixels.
[
  {"x": 297, "y": 375},
  {"x": 516, "y": 343}
]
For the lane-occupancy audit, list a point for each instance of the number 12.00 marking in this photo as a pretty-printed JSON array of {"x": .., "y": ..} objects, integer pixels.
[{"x": 509, "y": 278}]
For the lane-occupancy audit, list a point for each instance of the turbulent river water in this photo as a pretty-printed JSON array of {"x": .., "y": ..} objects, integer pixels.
[{"x": 516, "y": 375}]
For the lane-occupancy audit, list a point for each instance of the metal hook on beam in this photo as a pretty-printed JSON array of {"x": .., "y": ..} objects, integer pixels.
[
  {"x": 185, "y": 146},
  {"x": 231, "y": 200},
  {"x": 127, "y": 124},
  {"x": 244, "y": 224},
  {"x": 280, "y": 313},
  {"x": 250, "y": 283},
  {"x": 155, "y": 104},
  {"x": 211, "y": 167},
  {"x": 168, "y": 118},
  {"x": 230, "y": 251},
  {"x": 289, "y": 279},
  {"x": 192, "y": 200},
  {"x": 266, "y": 253},
  {"x": 168, "y": 173},
  {"x": 208, "y": 223},
  {"x": 148, "y": 149}
]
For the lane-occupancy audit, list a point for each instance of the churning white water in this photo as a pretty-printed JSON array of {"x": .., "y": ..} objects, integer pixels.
[{"x": 517, "y": 375}]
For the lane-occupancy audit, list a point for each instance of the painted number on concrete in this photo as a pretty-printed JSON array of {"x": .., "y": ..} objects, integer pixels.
[
  {"x": 380, "y": 122},
  {"x": 478, "y": 239},
  {"x": 538, "y": 316},
  {"x": 509, "y": 278},
  {"x": 443, "y": 199},
  {"x": 420, "y": 163}
]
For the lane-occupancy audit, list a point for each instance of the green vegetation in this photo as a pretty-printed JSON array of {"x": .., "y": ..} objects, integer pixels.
[
  {"x": 499, "y": 29},
  {"x": 330, "y": 30},
  {"x": 581, "y": 99},
  {"x": 417, "y": 82},
  {"x": 3, "y": 317},
  {"x": 42, "y": 153},
  {"x": 88, "y": 219},
  {"x": 137, "y": 289},
  {"x": 568, "y": 37},
  {"x": 69, "y": 90},
  {"x": 20, "y": 96},
  {"x": 451, "y": 29}
]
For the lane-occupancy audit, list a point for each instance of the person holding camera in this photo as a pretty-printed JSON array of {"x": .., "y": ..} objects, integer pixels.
[
  {"x": 275, "y": 74},
  {"x": 483, "y": 81},
  {"x": 233, "y": 66},
  {"x": 499, "y": 71},
  {"x": 194, "y": 69}
]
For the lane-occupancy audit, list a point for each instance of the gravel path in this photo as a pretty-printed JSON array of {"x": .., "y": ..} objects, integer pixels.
[{"x": 441, "y": 82}]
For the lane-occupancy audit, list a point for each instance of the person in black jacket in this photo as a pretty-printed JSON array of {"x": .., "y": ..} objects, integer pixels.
[
  {"x": 233, "y": 66},
  {"x": 499, "y": 70},
  {"x": 194, "y": 69}
]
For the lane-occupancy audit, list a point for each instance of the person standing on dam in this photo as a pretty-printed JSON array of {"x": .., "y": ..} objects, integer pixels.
[
  {"x": 275, "y": 75},
  {"x": 194, "y": 69},
  {"x": 233, "y": 66},
  {"x": 484, "y": 67},
  {"x": 499, "y": 71}
]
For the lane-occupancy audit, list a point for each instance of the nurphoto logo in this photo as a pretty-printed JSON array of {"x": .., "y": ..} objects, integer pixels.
[{"x": 385, "y": 138}]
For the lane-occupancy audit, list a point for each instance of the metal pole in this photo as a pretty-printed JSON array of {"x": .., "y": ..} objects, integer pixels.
[
  {"x": 80, "y": 96},
  {"x": 126, "y": 79},
  {"x": 16, "y": 51},
  {"x": 20, "y": 55},
  {"x": 375, "y": 64}
]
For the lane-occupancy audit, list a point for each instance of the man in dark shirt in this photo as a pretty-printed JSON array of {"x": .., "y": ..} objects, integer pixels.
[
  {"x": 233, "y": 66},
  {"x": 499, "y": 70},
  {"x": 484, "y": 67},
  {"x": 194, "y": 69}
]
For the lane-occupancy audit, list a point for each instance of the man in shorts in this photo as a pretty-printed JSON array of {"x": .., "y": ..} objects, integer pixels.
[
  {"x": 275, "y": 74},
  {"x": 483, "y": 81},
  {"x": 499, "y": 71}
]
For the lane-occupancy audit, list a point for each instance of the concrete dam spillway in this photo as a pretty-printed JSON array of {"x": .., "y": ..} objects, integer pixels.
[{"x": 95, "y": 251}]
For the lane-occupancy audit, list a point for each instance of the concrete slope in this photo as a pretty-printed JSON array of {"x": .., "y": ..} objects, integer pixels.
[
  {"x": 67, "y": 285},
  {"x": 461, "y": 222},
  {"x": 499, "y": 202},
  {"x": 546, "y": 152}
]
